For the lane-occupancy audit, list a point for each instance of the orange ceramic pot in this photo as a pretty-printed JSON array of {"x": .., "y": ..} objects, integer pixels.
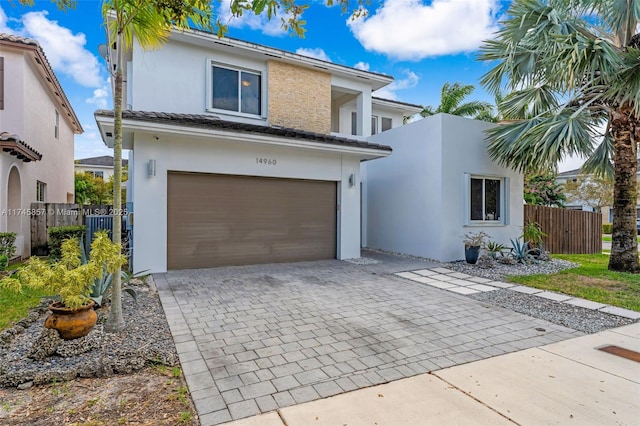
[{"x": 71, "y": 323}]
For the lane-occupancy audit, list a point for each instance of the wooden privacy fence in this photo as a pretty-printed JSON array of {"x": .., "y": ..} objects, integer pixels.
[
  {"x": 45, "y": 215},
  {"x": 568, "y": 231}
]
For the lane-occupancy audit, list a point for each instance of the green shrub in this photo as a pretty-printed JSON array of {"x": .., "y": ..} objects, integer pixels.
[
  {"x": 57, "y": 234},
  {"x": 7, "y": 244},
  {"x": 4, "y": 262},
  {"x": 607, "y": 228}
]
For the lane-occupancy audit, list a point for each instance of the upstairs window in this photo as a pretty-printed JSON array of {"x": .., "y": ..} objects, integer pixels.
[
  {"x": 56, "y": 130},
  {"x": 386, "y": 124},
  {"x": 1, "y": 83},
  {"x": 374, "y": 125},
  {"x": 236, "y": 90}
]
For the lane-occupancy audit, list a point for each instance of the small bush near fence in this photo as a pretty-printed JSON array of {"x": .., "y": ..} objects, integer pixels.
[
  {"x": 607, "y": 228},
  {"x": 7, "y": 244},
  {"x": 57, "y": 234}
]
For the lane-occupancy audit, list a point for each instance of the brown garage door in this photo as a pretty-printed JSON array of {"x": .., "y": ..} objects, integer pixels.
[{"x": 218, "y": 220}]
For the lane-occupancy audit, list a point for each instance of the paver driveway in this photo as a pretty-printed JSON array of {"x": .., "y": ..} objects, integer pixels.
[{"x": 254, "y": 339}]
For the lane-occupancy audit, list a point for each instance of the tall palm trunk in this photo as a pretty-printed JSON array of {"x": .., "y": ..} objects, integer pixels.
[
  {"x": 624, "y": 246},
  {"x": 115, "y": 322}
]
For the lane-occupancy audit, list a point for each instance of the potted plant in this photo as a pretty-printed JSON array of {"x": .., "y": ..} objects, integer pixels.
[
  {"x": 532, "y": 235},
  {"x": 473, "y": 241},
  {"x": 72, "y": 280}
]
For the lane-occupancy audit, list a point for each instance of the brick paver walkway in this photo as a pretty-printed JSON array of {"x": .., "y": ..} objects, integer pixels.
[{"x": 254, "y": 339}]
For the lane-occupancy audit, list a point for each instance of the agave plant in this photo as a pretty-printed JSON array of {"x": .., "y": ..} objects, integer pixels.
[{"x": 521, "y": 252}]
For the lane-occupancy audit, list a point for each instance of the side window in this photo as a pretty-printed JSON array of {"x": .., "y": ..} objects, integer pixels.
[
  {"x": 374, "y": 125},
  {"x": 354, "y": 123},
  {"x": 386, "y": 124},
  {"x": 486, "y": 199},
  {"x": 56, "y": 130},
  {"x": 1, "y": 82},
  {"x": 41, "y": 191}
]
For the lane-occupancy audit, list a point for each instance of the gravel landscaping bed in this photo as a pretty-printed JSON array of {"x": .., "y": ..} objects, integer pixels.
[
  {"x": 31, "y": 354},
  {"x": 500, "y": 271},
  {"x": 577, "y": 318}
]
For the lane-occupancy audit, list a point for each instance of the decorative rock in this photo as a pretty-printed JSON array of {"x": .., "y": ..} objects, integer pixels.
[
  {"x": 485, "y": 262},
  {"x": 68, "y": 348},
  {"x": 25, "y": 386},
  {"x": 507, "y": 260},
  {"x": 45, "y": 345}
]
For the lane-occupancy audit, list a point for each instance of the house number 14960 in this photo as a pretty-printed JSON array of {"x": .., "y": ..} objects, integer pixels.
[{"x": 266, "y": 161}]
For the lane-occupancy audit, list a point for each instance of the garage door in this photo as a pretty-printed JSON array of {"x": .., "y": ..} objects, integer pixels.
[{"x": 219, "y": 220}]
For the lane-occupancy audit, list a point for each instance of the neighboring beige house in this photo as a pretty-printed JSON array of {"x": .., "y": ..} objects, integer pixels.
[
  {"x": 245, "y": 154},
  {"x": 97, "y": 166},
  {"x": 37, "y": 128},
  {"x": 572, "y": 178}
]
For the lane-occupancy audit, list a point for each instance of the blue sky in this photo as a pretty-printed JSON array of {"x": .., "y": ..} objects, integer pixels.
[{"x": 422, "y": 43}]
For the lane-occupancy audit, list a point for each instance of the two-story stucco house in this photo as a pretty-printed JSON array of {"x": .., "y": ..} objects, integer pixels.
[
  {"x": 245, "y": 154},
  {"x": 37, "y": 128},
  {"x": 101, "y": 166}
]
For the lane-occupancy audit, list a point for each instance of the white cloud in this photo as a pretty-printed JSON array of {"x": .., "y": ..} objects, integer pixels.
[
  {"x": 272, "y": 27},
  {"x": 3, "y": 22},
  {"x": 64, "y": 49},
  {"x": 317, "y": 53},
  {"x": 389, "y": 92},
  {"x": 362, "y": 66},
  {"x": 100, "y": 98},
  {"x": 426, "y": 28}
]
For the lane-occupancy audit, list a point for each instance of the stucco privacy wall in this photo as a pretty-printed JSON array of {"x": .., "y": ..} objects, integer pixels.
[
  {"x": 208, "y": 155},
  {"x": 28, "y": 101},
  {"x": 299, "y": 97},
  {"x": 416, "y": 198}
]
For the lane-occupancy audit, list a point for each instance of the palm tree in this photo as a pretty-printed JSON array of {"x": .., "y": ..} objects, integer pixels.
[
  {"x": 451, "y": 102},
  {"x": 572, "y": 68},
  {"x": 150, "y": 22}
]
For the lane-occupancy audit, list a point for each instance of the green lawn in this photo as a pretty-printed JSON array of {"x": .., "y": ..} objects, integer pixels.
[
  {"x": 14, "y": 306},
  {"x": 591, "y": 280},
  {"x": 607, "y": 237}
]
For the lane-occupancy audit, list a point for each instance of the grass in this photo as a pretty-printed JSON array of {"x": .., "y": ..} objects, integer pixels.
[
  {"x": 607, "y": 237},
  {"x": 15, "y": 306},
  {"x": 591, "y": 280}
]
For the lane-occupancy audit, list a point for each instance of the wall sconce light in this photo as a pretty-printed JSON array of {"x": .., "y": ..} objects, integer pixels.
[
  {"x": 352, "y": 180},
  {"x": 151, "y": 168}
]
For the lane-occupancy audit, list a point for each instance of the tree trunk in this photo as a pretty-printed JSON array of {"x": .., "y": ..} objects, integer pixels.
[
  {"x": 624, "y": 246},
  {"x": 115, "y": 322}
]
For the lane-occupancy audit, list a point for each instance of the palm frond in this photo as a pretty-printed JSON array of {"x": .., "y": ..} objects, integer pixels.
[
  {"x": 600, "y": 161},
  {"x": 537, "y": 144}
]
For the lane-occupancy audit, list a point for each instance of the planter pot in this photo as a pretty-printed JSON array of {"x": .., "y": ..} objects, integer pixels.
[
  {"x": 71, "y": 323},
  {"x": 471, "y": 254}
]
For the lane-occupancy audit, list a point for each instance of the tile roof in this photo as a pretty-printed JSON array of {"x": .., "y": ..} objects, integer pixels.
[
  {"x": 214, "y": 123},
  {"x": 105, "y": 160},
  {"x": 13, "y": 145},
  {"x": 398, "y": 102}
]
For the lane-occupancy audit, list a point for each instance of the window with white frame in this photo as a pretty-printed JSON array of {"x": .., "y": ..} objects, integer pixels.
[
  {"x": 236, "y": 90},
  {"x": 41, "y": 191},
  {"x": 487, "y": 199},
  {"x": 386, "y": 124},
  {"x": 374, "y": 124},
  {"x": 56, "y": 130}
]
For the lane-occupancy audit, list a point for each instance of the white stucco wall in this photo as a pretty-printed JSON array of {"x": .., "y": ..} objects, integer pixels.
[
  {"x": 194, "y": 154},
  {"x": 416, "y": 198},
  {"x": 29, "y": 112}
]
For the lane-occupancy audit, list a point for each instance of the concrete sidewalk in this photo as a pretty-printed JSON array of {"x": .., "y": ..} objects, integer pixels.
[{"x": 570, "y": 382}]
